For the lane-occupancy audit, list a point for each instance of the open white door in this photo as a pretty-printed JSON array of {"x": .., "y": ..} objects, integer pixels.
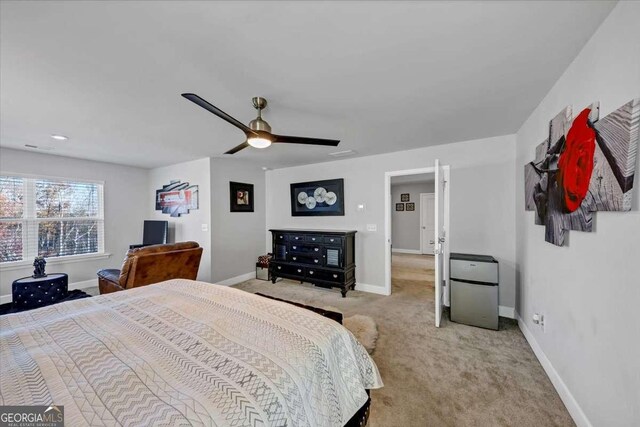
[{"x": 438, "y": 240}]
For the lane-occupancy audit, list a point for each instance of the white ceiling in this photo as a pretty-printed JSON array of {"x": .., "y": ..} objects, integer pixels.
[{"x": 380, "y": 76}]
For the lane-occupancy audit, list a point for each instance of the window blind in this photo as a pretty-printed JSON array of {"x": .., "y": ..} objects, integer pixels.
[
  {"x": 50, "y": 218},
  {"x": 11, "y": 213}
]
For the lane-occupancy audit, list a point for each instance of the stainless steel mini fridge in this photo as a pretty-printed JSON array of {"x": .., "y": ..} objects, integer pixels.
[{"x": 474, "y": 290}]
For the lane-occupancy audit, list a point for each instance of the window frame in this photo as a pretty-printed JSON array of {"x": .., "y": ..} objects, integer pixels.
[{"x": 30, "y": 221}]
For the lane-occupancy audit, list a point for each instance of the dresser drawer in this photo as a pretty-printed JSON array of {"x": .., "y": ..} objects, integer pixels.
[
  {"x": 306, "y": 259},
  {"x": 290, "y": 269},
  {"x": 306, "y": 249},
  {"x": 325, "y": 275},
  {"x": 280, "y": 237},
  {"x": 296, "y": 238},
  {"x": 333, "y": 240},
  {"x": 313, "y": 238}
]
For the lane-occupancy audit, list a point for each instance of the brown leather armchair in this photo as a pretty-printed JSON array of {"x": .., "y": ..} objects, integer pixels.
[{"x": 152, "y": 264}]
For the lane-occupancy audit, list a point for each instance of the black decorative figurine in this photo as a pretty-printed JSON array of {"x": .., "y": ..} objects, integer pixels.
[{"x": 39, "y": 262}]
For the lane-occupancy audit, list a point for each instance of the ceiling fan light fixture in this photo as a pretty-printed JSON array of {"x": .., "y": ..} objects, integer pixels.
[{"x": 259, "y": 142}]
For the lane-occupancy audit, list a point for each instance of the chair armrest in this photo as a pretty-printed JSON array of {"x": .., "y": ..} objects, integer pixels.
[{"x": 108, "y": 281}]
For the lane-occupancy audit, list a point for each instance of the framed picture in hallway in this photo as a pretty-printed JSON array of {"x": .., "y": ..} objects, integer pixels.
[
  {"x": 405, "y": 197},
  {"x": 399, "y": 207},
  {"x": 411, "y": 206}
]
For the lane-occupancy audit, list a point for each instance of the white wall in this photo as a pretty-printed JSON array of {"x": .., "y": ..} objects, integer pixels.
[
  {"x": 237, "y": 237},
  {"x": 124, "y": 208},
  {"x": 588, "y": 290},
  {"x": 405, "y": 225},
  {"x": 482, "y": 200},
  {"x": 189, "y": 226}
]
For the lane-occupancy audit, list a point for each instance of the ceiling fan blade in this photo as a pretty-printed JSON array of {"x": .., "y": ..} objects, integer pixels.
[
  {"x": 234, "y": 150},
  {"x": 302, "y": 140},
  {"x": 218, "y": 112}
]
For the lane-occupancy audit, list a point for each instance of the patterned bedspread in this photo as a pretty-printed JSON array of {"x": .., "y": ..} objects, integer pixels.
[{"x": 184, "y": 353}]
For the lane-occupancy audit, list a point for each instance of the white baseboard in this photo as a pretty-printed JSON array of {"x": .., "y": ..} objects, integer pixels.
[
  {"x": 370, "y": 288},
  {"x": 238, "y": 279},
  {"x": 84, "y": 284},
  {"x": 576, "y": 412},
  {"x": 406, "y": 251},
  {"x": 509, "y": 312},
  {"x": 77, "y": 285}
]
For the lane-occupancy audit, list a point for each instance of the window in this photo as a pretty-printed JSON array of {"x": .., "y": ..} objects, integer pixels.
[{"x": 50, "y": 218}]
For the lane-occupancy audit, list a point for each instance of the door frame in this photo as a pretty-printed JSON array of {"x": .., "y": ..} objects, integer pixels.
[
  {"x": 422, "y": 243},
  {"x": 387, "y": 223}
]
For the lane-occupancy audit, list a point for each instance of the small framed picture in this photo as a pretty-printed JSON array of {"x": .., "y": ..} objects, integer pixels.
[
  {"x": 399, "y": 206},
  {"x": 411, "y": 206},
  {"x": 404, "y": 197},
  {"x": 241, "y": 197}
]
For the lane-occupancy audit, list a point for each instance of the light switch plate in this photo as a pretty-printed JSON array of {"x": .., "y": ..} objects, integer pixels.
[{"x": 372, "y": 227}]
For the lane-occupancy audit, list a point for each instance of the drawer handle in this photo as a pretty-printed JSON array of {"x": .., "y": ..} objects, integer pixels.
[
  {"x": 279, "y": 268},
  {"x": 311, "y": 272},
  {"x": 294, "y": 247},
  {"x": 316, "y": 249},
  {"x": 331, "y": 240},
  {"x": 313, "y": 238},
  {"x": 297, "y": 238},
  {"x": 299, "y": 271},
  {"x": 335, "y": 276},
  {"x": 294, "y": 258},
  {"x": 281, "y": 237},
  {"x": 315, "y": 260}
]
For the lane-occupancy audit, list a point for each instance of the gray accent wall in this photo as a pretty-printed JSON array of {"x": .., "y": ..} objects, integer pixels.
[
  {"x": 237, "y": 238},
  {"x": 482, "y": 203},
  {"x": 405, "y": 225}
]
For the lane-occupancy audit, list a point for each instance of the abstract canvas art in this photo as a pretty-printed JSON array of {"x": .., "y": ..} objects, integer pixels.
[
  {"x": 177, "y": 198},
  {"x": 586, "y": 164}
]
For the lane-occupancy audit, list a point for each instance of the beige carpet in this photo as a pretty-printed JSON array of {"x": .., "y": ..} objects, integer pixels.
[{"x": 457, "y": 375}]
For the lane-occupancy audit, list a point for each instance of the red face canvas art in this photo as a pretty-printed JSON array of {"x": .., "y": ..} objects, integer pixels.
[{"x": 585, "y": 165}]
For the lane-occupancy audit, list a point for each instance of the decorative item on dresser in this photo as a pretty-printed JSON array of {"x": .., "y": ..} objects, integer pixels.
[{"x": 324, "y": 258}]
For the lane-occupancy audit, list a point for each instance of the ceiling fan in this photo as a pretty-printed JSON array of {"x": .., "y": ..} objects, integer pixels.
[{"x": 258, "y": 132}]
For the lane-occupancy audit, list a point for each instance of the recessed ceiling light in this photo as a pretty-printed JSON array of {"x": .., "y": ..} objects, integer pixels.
[{"x": 59, "y": 137}]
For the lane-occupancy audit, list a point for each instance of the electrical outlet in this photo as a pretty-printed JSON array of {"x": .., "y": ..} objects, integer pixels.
[{"x": 538, "y": 319}]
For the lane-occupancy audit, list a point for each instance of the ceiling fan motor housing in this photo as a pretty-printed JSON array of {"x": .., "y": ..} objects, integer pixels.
[{"x": 258, "y": 124}]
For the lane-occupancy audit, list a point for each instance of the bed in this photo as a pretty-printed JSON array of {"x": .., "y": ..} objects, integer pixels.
[{"x": 183, "y": 352}]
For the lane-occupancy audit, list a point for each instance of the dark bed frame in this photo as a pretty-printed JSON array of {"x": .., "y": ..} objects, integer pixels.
[{"x": 362, "y": 416}]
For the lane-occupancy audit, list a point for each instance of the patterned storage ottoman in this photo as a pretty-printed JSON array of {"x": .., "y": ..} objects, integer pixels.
[
  {"x": 262, "y": 267},
  {"x": 30, "y": 292}
]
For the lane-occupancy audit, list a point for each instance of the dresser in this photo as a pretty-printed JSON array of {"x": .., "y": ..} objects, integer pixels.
[{"x": 324, "y": 258}]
